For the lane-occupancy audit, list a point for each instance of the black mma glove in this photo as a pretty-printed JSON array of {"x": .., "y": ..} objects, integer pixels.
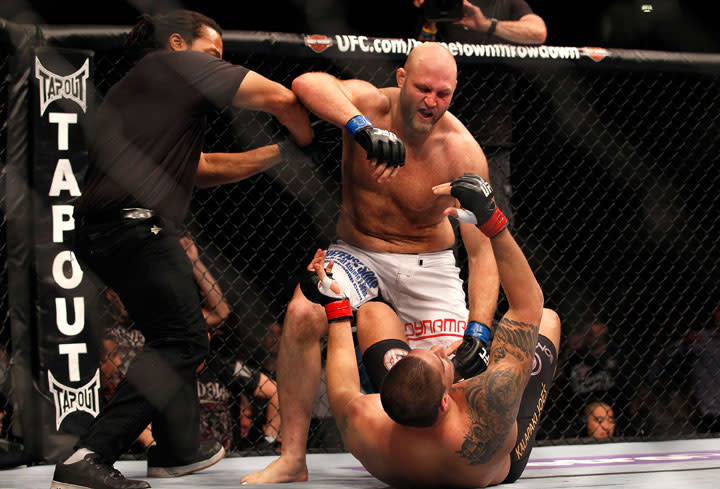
[
  {"x": 381, "y": 145},
  {"x": 476, "y": 195},
  {"x": 337, "y": 306},
  {"x": 473, "y": 355}
]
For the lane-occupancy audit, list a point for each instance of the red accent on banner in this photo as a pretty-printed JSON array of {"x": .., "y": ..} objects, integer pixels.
[{"x": 318, "y": 42}]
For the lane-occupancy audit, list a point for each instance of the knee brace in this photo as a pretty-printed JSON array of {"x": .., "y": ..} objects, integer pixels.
[{"x": 380, "y": 357}]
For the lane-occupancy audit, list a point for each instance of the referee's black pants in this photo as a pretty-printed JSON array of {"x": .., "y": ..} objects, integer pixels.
[{"x": 143, "y": 261}]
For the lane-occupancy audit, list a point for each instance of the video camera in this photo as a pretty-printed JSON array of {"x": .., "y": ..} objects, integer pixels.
[{"x": 443, "y": 10}]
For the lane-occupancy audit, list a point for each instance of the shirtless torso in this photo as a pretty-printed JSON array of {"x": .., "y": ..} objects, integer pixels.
[{"x": 402, "y": 215}]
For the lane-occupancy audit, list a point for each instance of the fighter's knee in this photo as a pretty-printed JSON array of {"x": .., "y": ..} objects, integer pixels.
[
  {"x": 551, "y": 326},
  {"x": 304, "y": 319},
  {"x": 377, "y": 321},
  {"x": 365, "y": 315}
]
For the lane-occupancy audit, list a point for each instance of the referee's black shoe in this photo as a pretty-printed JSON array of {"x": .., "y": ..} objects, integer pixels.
[
  {"x": 92, "y": 473},
  {"x": 161, "y": 464}
]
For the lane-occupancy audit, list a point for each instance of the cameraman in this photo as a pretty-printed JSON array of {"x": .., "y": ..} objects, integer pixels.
[{"x": 481, "y": 21}]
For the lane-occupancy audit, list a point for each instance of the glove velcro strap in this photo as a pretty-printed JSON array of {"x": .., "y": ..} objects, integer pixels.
[
  {"x": 479, "y": 330},
  {"x": 339, "y": 310},
  {"x": 495, "y": 224},
  {"x": 357, "y": 123}
]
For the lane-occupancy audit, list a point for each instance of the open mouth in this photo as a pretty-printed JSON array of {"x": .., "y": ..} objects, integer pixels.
[{"x": 425, "y": 114}]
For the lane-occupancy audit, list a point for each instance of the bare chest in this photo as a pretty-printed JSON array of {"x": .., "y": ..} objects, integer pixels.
[{"x": 410, "y": 190}]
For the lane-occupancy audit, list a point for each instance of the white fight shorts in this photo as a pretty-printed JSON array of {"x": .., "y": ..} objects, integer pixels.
[{"x": 425, "y": 289}]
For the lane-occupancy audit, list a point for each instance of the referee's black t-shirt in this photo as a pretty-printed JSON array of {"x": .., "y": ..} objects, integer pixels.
[{"x": 147, "y": 136}]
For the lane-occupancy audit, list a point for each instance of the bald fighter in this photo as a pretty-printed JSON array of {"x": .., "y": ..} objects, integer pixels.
[
  {"x": 394, "y": 254},
  {"x": 422, "y": 430}
]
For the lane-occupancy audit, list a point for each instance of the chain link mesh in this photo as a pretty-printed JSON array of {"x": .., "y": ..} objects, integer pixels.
[
  {"x": 6, "y": 440},
  {"x": 613, "y": 185}
]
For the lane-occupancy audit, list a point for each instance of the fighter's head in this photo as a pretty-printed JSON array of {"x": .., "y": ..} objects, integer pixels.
[
  {"x": 178, "y": 30},
  {"x": 427, "y": 82},
  {"x": 416, "y": 389}
]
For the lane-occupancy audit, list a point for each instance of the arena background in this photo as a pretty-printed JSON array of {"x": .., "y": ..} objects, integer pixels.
[{"x": 615, "y": 196}]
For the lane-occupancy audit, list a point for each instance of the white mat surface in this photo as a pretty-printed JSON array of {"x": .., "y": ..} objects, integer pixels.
[{"x": 661, "y": 465}]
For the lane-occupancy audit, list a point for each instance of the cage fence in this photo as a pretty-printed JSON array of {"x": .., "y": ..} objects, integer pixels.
[{"x": 611, "y": 177}]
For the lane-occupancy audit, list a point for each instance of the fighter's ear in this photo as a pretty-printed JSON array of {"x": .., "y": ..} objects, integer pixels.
[
  {"x": 400, "y": 77},
  {"x": 444, "y": 403},
  {"x": 176, "y": 42}
]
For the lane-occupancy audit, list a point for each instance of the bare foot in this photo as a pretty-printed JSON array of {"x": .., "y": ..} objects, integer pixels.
[{"x": 282, "y": 469}]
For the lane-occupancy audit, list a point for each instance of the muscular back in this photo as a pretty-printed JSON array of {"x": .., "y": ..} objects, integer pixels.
[{"x": 402, "y": 215}]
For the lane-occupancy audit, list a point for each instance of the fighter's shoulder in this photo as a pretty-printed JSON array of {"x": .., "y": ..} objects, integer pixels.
[
  {"x": 461, "y": 144},
  {"x": 366, "y": 96},
  {"x": 364, "y": 412},
  {"x": 454, "y": 128}
]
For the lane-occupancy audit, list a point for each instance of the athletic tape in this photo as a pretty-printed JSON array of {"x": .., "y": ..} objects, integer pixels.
[
  {"x": 466, "y": 216},
  {"x": 327, "y": 282}
]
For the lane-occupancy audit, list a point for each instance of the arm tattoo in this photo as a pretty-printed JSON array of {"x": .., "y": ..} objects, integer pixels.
[
  {"x": 490, "y": 417},
  {"x": 494, "y": 397},
  {"x": 517, "y": 336}
]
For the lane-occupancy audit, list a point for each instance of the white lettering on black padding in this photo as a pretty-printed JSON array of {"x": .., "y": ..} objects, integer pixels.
[
  {"x": 68, "y": 400},
  {"x": 55, "y": 87}
]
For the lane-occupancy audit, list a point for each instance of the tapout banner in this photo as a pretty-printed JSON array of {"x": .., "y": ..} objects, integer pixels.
[{"x": 68, "y": 376}]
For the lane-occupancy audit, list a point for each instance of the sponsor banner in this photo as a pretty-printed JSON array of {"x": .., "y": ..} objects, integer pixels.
[
  {"x": 68, "y": 358},
  {"x": 318, "y": 42},
  {"x": 70, "y": 400},
  {"x": 347, "y": 43},
  {"x": 56, "y": 87}
]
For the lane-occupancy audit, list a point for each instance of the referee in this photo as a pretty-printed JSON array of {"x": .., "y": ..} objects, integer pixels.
[{"x": 145, "y": 158}]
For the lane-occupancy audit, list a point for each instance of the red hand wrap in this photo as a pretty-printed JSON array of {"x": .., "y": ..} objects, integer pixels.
[
  {"x": 495, "y": 224},
  {"x": 339, "y": 310}
]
